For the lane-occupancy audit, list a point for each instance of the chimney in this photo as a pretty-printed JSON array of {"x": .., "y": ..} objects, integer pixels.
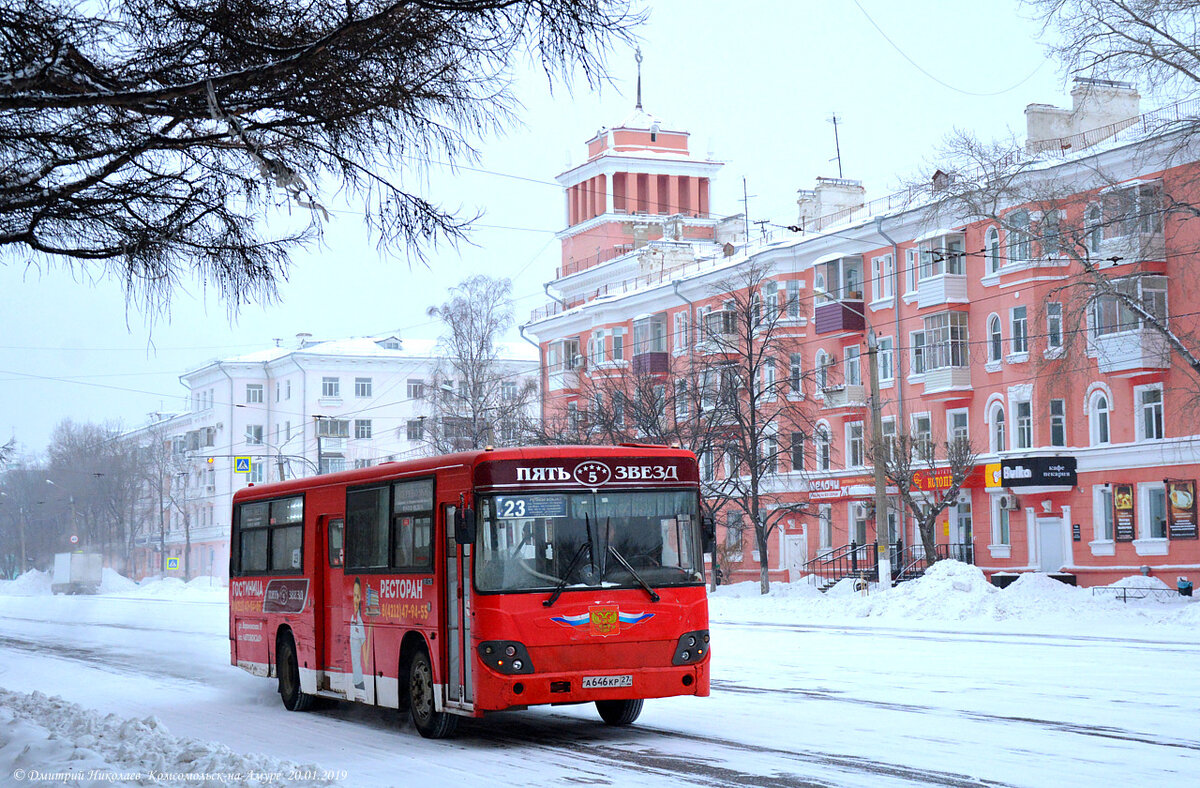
[
  {"x": 1099, "y": 109},
  {"x": 830, "y": 203}
]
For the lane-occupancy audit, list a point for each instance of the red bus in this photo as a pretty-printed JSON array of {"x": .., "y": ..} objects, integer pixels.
[{"x": 477, "y": 582}]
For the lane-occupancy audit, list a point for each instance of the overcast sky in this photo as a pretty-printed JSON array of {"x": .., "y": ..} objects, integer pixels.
[{"x": 754, "y": 82}]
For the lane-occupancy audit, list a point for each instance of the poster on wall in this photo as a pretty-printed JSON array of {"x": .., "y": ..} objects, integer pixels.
[
  {"x": 1123, "y": 518},
  {"x": 1181, "y": 508}
]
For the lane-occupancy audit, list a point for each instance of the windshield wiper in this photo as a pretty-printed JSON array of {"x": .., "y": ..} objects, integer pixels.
[
  {"x": 562, "y": 583},
  {"x": 654, "y": 597}
]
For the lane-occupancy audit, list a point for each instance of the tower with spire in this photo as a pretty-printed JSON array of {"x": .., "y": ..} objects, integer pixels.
[{"x": 640, "y": 183}]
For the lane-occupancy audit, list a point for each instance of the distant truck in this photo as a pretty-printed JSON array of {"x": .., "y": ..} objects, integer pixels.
[{"x": 77, "y": 573}]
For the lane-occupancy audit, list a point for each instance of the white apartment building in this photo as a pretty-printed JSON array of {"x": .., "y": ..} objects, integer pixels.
[{"x": 314, "y": 407}]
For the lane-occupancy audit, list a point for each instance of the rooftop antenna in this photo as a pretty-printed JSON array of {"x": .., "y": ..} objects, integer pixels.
[
  {"x": 746, "y": 209},
  {"x": 637, "y": 55},
  {"x": 762, "y": 227},
  {"x": 836, "y": 144}
]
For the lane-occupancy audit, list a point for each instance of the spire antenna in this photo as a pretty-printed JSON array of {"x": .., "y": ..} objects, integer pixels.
[{"x": 637, "y": 55}]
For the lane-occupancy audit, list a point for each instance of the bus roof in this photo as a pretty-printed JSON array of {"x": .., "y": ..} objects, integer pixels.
[{"x": 466, "y": 459}]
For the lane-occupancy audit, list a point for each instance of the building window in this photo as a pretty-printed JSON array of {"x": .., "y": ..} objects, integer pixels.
[
  {"x": 1000, "y": 524},
  {"x": 1150, "y": 407},
  {"x": 1018, "y": 237},
  {"x": 416, "y": 389},
  {"x": 823, "y": 364},
  {"x": 795, "y": 374},
  {"x": 256, "y": 473},
  {"x": 362, "y": 387},
  {"x": 1051, "y": 236},
  {"x": 1098, "y": 411},
  {"x": 254, "y": 434},
  {"x": 254, "y": 393},
  {"x": 793, "y": 298},
  {"x": 922, "y": 437},
  {"x": 1058, "y": 422},
  {"x": 995, "y": 339},
  {"x": 910, "y": 267},
  {"x": 1054, "y": 325},
  {"x": 707, "y": 466},
  {"x": 825, "y": 525},
  {"x": 618, "y": 344},
  {"x": 1133, "y": 210},
  {"x": 1102, "y": 512},
  {"x": 1154, "y": 511},
  {"x": 278, "y": 388},
  {"x": 681, "y": 330},
  {"x": 1109, "y": 315},
  {"x": 822, "y": 447},
  {"x": 508, "y": 391},
  {"x": 993, "y": 250},
  {"x": 287, "y": 390},
  {"x": 998, "y": 436},
  {"x": 797, "y": 451},
  {"x": 1024, "y": 424},
  {"x": 853, "y": 369},
  {"x": 650, "y": 335},
  {"x": 956, "y": 426},
  {"x": 733, "y": 533},
  {"x": 362, "y": 428},
  {"x": 331, "y": 387},
  {"x": 415, "y": 429},
  {"x": 681, "y": 399},
  {"x": 883, "y": 353},
  {"x": 1095, "y": 230},
  {"x": 942, "y": 256},
  {"x": 333, "y": 428},
  {"x": 946, "y": 340},
  {"x": 916, "y": 343},
  {"x": 856, "y": 518},
  {"x": 887, "y": 436},
  {"x": 854, "y": 444},
  {"x": 882, "y": 271},
  {"x": 1020, "y": 330}
]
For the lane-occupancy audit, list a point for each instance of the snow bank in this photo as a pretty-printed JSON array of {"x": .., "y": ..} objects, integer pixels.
[
  {"x": 1140, "y": 581},
  {"x": 952, "y": 591},
  {"x": 113, "y": 582},
  {"x": 32, "y": 583},
  {"x": 46, "y": 740}
]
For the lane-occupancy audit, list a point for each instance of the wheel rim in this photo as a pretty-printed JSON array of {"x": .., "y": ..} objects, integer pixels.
[
  {"x": 420, "y": 689},
  {"x": 287, "y": 679}
]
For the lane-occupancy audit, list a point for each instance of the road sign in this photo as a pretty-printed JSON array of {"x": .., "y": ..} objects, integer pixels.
[
  {"x": 74, "y": 539},
  {"x": 241, "y": 465},
  {"x": 172, "y": 563}
]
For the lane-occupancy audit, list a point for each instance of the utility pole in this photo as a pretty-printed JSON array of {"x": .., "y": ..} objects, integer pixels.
[
  {"x": 746, "y": 210},
  {"x": 883, "y": 557}
]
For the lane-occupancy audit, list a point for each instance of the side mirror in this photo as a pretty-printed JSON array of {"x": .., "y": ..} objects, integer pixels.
[
  {"x": 708, "y": 529},
  {"x": 464, "y": 526}
]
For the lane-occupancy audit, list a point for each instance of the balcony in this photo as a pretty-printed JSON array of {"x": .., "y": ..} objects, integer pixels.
[
  {"x": 949, "y": 381},
  {"x": 844, "y": 315},
  {"x": 1134, "y": 247},
  {"x": 844, "y": 395},
  {"x": 942, "y": 289},
  {"x": 1130, "y": 352},
  {"x": 655, "y": 363},
  {"x": 564, "y": 379}
]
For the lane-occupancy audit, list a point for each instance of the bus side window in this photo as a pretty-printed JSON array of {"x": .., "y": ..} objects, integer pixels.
[{"x": 335, "y": 542}]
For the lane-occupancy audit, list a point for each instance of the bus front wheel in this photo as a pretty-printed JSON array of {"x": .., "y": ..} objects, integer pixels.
[
  {"x": 429, "y": 723},
  {"x": 619, "y": 712},
  {"x": 288, "y": 670}
]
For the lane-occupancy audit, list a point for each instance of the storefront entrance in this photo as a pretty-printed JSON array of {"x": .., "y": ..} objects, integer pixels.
[{"x": 1050, "y": 544}]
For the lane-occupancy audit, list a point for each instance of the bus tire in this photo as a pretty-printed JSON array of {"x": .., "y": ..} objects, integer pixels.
[
  {"x": 288, "y": 670},
  {"x": 429, "y": 723},
  {"x": 619, "y": 712}
]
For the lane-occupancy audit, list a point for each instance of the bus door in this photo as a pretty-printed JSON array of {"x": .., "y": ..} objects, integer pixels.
[
  {"x": 332, "y": 648},
  {"x": 457, "y": 596}
]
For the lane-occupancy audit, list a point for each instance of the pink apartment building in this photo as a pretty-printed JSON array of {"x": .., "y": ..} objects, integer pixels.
[{"x": 1082, "y": 414}]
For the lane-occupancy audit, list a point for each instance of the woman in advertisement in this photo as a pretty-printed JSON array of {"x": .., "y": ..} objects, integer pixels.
[{"x": 360, "y": 643}]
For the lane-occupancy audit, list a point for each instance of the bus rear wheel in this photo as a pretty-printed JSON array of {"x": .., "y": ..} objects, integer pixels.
[
  {"x": 619, "y": 712},
  {"x": 429, "y": 723},
  {"x": 288, "y": 670}
]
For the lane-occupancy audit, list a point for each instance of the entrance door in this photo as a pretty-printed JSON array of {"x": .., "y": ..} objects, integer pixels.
[
  {"x": 459, "y": 693},
  {"x": 1050, "y": 543},
  {"x": 793, "y": 550},
  {"x": 333, "y": 643}
]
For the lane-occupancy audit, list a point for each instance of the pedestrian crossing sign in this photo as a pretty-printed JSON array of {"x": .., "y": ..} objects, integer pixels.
[
  {"x": 241, "y": 465},
  {"x": 172, "y": 563}
]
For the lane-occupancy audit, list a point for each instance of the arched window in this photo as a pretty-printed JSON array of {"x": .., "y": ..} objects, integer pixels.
[
  {"x": 1018, "y": 237},
  {"x": 1099, "y": 412},
  {"x": 1095, "y": 229},
  {"x": 823, "y": 363},
  {"x": 995, "y": 339},
  {"x": 822, "y": 447},
  {"x": 998, "y": 434},
  {"x": 993, "y": 250}
]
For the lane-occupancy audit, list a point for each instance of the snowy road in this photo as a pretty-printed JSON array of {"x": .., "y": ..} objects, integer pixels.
[{"x": 792, "y": 705}]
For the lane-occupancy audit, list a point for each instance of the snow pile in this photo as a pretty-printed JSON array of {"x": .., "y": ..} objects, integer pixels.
[
  {"x": 174, "y": 588},
  {"x": 952, "y": 591},
  {"x": 32, "y": 583},
  {"x": 45, "y": 740},
  {"x": 113, "y": 582},
  {"x": 1141, "y": 581}
]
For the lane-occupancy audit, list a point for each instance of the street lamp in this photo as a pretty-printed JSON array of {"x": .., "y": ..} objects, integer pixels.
[{"x": 883, "y": 556}]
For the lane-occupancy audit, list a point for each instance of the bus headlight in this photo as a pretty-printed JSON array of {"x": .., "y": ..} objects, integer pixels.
[
  {"x": 505, "y": 656},
  {"x": 692, "y": 647}
]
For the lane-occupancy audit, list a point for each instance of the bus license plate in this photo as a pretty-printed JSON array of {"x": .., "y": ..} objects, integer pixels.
[{"x": 602, "y": 682}]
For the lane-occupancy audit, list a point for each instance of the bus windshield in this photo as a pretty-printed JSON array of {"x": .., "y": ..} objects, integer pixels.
[{"x": 538, "y": 541}]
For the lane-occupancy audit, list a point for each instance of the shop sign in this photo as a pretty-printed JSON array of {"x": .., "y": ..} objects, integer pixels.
[
  {"x": 991, "y": 475},
  {"x": 941, "y": 479},
  {"x": 1125, "y": 529},
  {"x": 1038, "y": 472},
  {"x": 1181, "y": 508},
  {"x": 834, "y": 489}
]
